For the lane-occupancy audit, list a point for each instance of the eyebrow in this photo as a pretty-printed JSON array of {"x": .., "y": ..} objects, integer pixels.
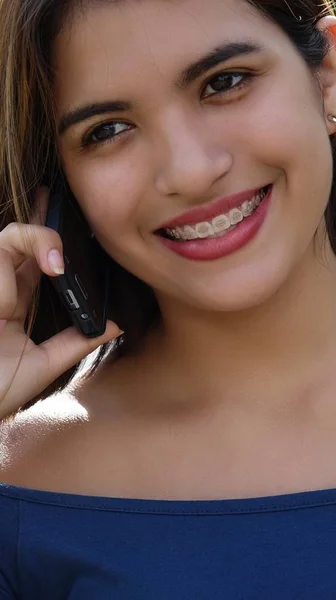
[
  {"x": 90, "y": 110},
  {"x": 220, "y": 54}
]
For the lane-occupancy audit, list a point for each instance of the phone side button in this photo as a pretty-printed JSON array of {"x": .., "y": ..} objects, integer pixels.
[
  {"x": 81, "y": 286},
  {"x": 70, "y": 299}
]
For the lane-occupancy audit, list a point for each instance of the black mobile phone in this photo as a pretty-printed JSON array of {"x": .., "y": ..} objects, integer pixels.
[{"x": 84, "y": 287}]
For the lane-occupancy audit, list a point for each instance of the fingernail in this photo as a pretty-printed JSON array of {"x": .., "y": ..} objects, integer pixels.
[
  {"x": 56, "y": 262},
  {"x": 121, "y": 332}
]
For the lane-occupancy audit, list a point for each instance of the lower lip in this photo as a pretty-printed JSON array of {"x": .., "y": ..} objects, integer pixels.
[{"x": 214, "y": 248}]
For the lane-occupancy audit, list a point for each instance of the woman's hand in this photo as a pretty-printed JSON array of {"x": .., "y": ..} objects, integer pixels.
[{"x": 26, "y": 369}]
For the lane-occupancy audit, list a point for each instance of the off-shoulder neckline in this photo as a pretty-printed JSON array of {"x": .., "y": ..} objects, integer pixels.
[{"x": 282, "y": 502}]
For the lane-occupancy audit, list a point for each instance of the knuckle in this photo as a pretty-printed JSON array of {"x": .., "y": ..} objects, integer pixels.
[
  {"x": 46, "y": 233},
  {"x": 54, "y": 237},
  {"x": 11, "y": 228},
  {"x": 32, "y": 235}
]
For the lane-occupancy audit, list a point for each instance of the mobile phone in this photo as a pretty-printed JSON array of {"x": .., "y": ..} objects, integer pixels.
[{"x": 84, "y": 287}]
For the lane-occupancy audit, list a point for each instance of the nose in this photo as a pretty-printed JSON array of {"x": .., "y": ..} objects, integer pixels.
[{"x": 189, "y": 157}]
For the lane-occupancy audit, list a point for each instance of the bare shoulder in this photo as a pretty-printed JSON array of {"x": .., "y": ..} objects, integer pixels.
[
  {"x": 76, "y": 442},
  {"x": 33, "y": 441}
]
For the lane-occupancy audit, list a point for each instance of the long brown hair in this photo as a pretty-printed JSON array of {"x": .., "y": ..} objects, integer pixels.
[{"x": 28, "y": 152}]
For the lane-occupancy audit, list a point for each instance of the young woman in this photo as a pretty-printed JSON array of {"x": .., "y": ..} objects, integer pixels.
[{"x": 197, "y": 457}]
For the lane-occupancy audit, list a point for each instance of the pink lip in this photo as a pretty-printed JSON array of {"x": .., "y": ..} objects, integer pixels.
[
  {"x": 216, "y": 248},
  {"x": 211, "y": 210}
]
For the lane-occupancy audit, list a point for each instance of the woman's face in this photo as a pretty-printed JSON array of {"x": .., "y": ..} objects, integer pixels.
[{"x": 158, "y": 138}]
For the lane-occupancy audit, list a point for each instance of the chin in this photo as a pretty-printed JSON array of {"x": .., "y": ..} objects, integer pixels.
[{"x": 240, "y": 289}]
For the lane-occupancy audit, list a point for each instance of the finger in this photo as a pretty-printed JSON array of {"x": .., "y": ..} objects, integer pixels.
[
  {"x": 8, "y": 291},
  {"x": 24, "y": 241},
  {"x": 67, "y": 348},
  {"x": 17, "y": 288},
  {"x": 27, "y": 280}
]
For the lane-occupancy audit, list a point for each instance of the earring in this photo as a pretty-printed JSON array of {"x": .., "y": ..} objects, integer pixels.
[{"x": 332, "y": 118}]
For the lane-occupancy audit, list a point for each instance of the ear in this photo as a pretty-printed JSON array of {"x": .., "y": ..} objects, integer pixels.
[{"x": 327, "y": 72}]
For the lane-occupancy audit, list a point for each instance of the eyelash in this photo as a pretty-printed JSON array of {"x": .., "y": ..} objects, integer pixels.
[{"x": 245, "y": 77}]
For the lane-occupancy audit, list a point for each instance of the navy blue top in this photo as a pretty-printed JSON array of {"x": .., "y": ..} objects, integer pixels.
[{"x": 73, "y": 547}]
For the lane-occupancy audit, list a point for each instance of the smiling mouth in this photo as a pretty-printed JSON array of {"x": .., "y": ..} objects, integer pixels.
[{"x": 220, "y": 225}]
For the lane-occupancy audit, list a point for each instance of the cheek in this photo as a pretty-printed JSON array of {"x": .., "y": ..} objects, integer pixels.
[
  {"x": 109, "y": 192},
  {"x": 283, "y": 130},
  {"x": 304, "y": 176},
  {"x": 280, "y": 113}
]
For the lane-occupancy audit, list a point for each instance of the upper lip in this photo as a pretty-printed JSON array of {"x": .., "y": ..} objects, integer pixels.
[{"x": 209, "y": 211}]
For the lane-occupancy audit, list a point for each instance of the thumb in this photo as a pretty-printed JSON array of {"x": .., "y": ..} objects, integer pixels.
[{"x": 69, "y": 347}]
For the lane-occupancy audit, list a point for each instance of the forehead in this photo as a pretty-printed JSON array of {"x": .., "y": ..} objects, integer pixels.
[{"x": 118, "y": 44}]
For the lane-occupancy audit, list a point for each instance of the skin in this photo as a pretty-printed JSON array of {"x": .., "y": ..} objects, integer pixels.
[
  {"x": 260, "y": 324},
  {"x": 181, "y": 150}
]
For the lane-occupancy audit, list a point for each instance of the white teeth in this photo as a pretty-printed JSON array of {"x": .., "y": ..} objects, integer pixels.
[
  {"x": 203, "y": 230},
  {"x": 236, "y": 216},
  {"x": 173, "y": 233},
  {"x": 219, "y": 224},
  {"x": 258, "y": 198},
  {"x": 190, "y": 232},
  {"x": 247, "y": 208},
  {"x": 180, "y": 233}
]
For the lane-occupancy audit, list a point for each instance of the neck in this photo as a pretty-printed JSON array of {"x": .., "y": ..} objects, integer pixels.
[{"x": 282, "y": 345}]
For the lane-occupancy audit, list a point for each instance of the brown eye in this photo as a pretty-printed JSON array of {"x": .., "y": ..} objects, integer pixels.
[
  {"x": 105, "y": 133},
  {"x": 225, "y": 82}
]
